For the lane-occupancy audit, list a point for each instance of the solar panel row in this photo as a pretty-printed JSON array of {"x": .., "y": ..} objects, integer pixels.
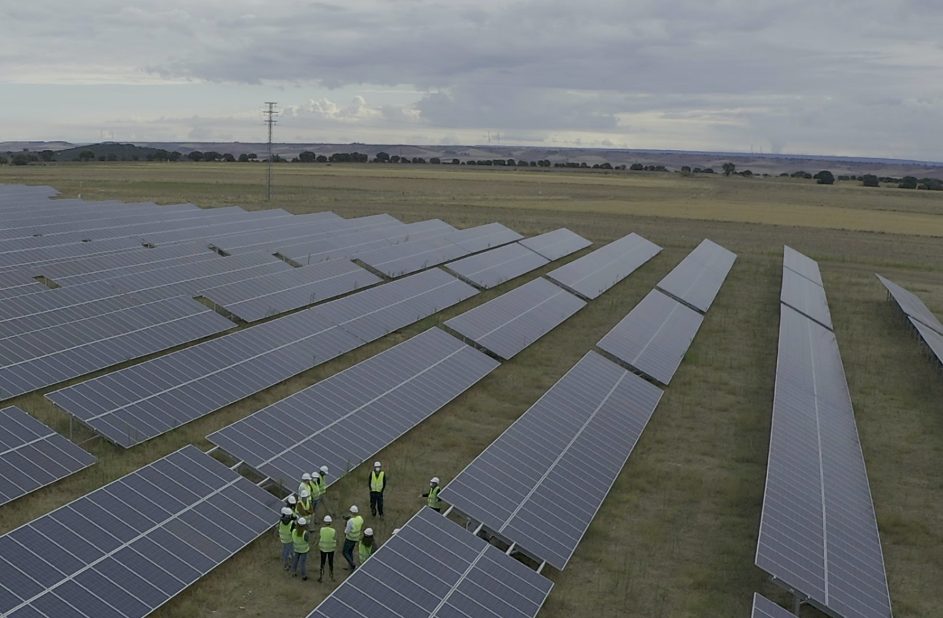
[
  {"x": 556, "y": 244},
  {"x": 541, "y": 482},
  {"x": 45, "y": 357},
  {"x": 140, "y": 402},
  {"x": 127, "y": 548},
  {"x": 932, "y": 338},
  {"x": 511, "y": 322},
  {"x": 357, "y": 412},
  {"x": 654, "y": 337},
  {"x": 415, "y": 255},
  {"x": 261, "y": 297},
  {"x": 33, "y": 455},
  {"x": 493, "y": 267},
  {"x": 699, "y": 277},
  {"x": 432, "y": 567},
  {"x": 911, "y": 304},
  {"x": 594, "y": 273},
  {"x": 818, "y": 531}
]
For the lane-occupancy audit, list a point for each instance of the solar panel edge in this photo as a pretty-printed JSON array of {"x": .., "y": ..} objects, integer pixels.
[{"x": 929, "y": 319}]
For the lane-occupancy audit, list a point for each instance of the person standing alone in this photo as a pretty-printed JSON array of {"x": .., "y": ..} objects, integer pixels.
[
  {"x": 327, "y": 543},
  {"x": 377, "y": 484},
  {"x": 353, "y": 533}
]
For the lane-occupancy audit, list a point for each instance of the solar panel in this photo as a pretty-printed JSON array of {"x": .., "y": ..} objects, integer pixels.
[
  {"x": 257, "y": 220},
  {"x": 411, "y": 256},
  {"x": 596, "y": 272},
  {"x": 764, "y": 608},
  {"x": 818, "y": 531},
  {"x": 127, "y": 548},
  {"x": 541, "y": 482},
  {"x": 801, "y": 265},
  {"x": 33, "y": 455},
  {"x": 511, "y": 322},
  {"x": 483, "y": 237},
  {"x": 933, "y": 339},
  {"x": 699, "y": 277},
  {"x": 416, "y": 254},
  {"x": 556, "y": 244},
  {"x": 27, "y": 313},
  {"x": 333, "y": 229},
  {"x": 349, "y": 244},
  {"x": 100, "y": 221},
  {"x": 42, "y": 255},
  {"x": 140, "y": 402},
  {"x": 495, "y": 266},
  {"x": 313, "y": 224},
  {"x": 805, "y": 297},
  {"x": 434, "y": 568},
  {"x": 353, "y": 414},
  {"x": 52, "y": 355},
  {"x": 911, "y": 304},
  {"x": 654, "y": 337},
  {"x": 261, "y": 297}
]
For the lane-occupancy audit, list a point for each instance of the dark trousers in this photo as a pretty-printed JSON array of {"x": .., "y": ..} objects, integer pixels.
[
  {"x": 348, "y": 552},
  {"x": 327, "y": 556},
  {"x": 376, "y": 503}
]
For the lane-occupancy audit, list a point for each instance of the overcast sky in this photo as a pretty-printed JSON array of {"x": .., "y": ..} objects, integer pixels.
[{"x": 842, "y": 77}]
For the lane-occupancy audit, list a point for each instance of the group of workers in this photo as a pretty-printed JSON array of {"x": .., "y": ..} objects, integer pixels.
[{"x": 297, "y": 523}]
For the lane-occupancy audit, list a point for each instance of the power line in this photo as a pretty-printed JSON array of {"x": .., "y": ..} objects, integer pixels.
[{"x": 270, "y": 114}]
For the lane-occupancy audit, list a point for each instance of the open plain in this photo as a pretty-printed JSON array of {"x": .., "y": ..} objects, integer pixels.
[{"x": 676, "y": 537}]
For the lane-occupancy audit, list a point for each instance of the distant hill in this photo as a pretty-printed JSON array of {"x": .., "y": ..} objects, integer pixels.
[
  {"x": 109, "y": 150},
  {"x": 672, "y": 159}
]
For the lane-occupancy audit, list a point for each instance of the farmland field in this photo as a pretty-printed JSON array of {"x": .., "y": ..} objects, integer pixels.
[{"x": 677, "y": 535}]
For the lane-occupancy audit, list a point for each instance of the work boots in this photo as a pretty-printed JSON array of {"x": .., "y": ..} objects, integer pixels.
[{"x": 320, "y": 576}]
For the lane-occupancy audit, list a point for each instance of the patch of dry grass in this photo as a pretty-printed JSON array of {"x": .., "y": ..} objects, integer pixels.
[{"x": 677, "y": 535}]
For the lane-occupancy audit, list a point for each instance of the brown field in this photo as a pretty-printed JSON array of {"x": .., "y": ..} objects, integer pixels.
[{"x": 677, "y": 535}]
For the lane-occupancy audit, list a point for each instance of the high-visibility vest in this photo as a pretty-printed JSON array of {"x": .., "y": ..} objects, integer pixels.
[
  {"x": 328, "y": 539},
  {"x": 376, "y": 480},
  {"x": 316, "y": 488},
  {"x": 300, "y": 540},
  {"x": 433, "y": 501},
  {"x": 304, "y": 506},
  {"x": 356, "y": 529},
  {"x": 365, "y": 552},
  {"x": 284, "y": 531},
  {"x": 303, "y": 485}
]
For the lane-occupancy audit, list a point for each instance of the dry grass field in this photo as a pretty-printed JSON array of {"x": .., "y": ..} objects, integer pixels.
[{"x": 677, "y": 535}]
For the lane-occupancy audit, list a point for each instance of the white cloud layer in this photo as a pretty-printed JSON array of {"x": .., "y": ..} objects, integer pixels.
[{"x": 826, "y": 76}]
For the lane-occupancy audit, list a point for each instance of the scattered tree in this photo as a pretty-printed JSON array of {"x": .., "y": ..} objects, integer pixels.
[
  {"x": 196, "y": 155},
  {"x": 870, "y": 180},
  {"x": 307, "y": 156},
  {"x": 243, "y": 158},
  {"x": 824, "y": 177},
  {"x": 907, "y": 182},
  {"x": 729, "y": 168}
]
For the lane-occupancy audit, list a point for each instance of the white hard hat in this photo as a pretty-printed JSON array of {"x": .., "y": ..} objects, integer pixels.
[
  {"x": 302, "y": 521},
  {"x": 327, "y": 519},
  {"x": 376, "y": 464},
  {"x": 314, "y": 474},
  {"x": 286, "y": 510},
  {"x": 292, "y": 499},
  {"x": 395, "y": 530},
  {"x": 435, "y": 480},
  {"x": 323, "y": 469},
  {"x": 305, "y": 477},
  {"x": 368, "y": 532},
  {"x": 305, "y": 493},
  {"x": 354, "y": 509}
]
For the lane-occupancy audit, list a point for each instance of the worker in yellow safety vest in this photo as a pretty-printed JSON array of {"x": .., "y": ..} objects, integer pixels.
[
  {"x": 319, "y": 488},
  {"x": 377, "y": 484},
  {"x": 367, "y": 546},
  {"x": 353, "y": 532},
  {"x": 285, "y": 523},
  {"x": 432, "y": 496},
  {"x": 305, "y": 484},
  {"x": 301, "y": 544},
  {"x": 304, "y": 508},
  {"x": 327, "y": 543}
]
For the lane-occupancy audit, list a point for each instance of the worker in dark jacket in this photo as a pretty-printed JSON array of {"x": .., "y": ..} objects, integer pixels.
[{"x": 377, "y": 484}]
